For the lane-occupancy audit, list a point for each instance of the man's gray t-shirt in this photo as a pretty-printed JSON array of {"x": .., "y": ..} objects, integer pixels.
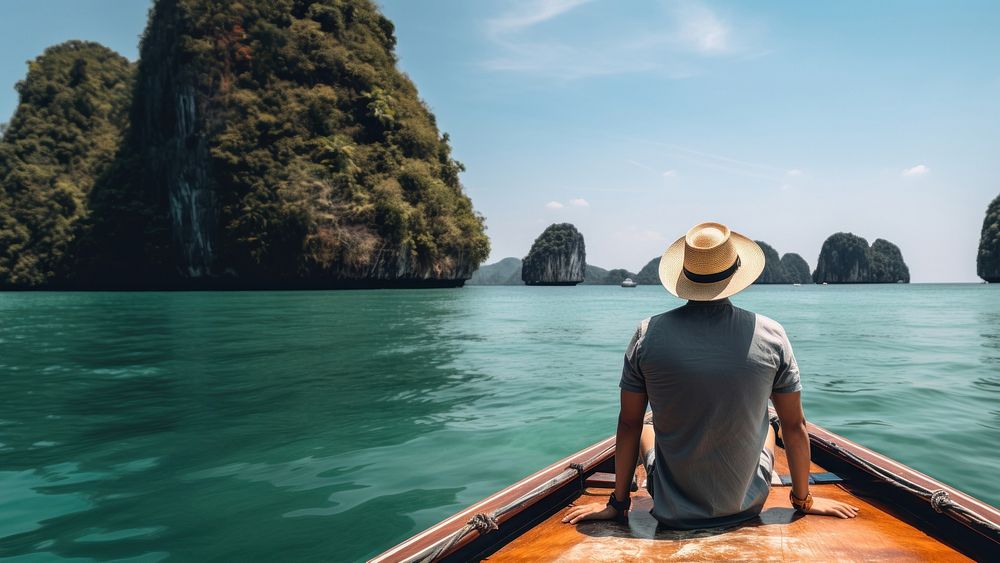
[{"x": 708, "y": 369}]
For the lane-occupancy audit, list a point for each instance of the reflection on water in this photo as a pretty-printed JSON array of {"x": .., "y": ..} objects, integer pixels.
[{"x": 330, "y": 425}]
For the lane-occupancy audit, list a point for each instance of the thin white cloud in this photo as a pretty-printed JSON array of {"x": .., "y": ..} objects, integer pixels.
[
  {"x": 701, "y": 30},
  {"x": 670, "y": 174},
  {"x": 528, "y": 14},
  {"x": 918, "y": 170},
  {"x": 553, "y": 205},
  {"x": 793, "y": 172},
  {"x": 671, "y": 42},
  {"x": 579, "y": 202}
]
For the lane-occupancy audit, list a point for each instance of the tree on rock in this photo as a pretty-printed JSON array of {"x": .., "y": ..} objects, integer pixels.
[
  {"x": 988, "y": 259},
  {"x": 557, "y": 257}
]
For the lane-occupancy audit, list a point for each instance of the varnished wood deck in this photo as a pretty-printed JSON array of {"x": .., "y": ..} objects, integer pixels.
[{"x": 779, "y": 534}]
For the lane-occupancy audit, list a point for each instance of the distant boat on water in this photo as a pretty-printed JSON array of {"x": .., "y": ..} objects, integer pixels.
[
  {"x": 796, "y": 285},
  {"x": 628, "y": 282}
]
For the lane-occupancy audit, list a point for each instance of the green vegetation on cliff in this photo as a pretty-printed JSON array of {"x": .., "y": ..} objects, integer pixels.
[
  {"x": 64, "y": 134},
  {"x": 847, "y": 258},
  {"x": 289, "y": 146},
  {"x": 557, "y": 257},
  {"x": 988, "y": 259},
  {"x": 268, "y": 143}
]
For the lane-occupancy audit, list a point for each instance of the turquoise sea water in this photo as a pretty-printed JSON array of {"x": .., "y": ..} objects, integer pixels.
[{"x": 331, "y": 425}]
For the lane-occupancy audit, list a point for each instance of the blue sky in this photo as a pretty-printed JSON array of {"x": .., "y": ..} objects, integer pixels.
[{"x": 789, "y": 121}]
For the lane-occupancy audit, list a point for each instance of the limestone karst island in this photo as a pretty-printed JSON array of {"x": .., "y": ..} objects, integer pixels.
[{"x": 252, "y": 145}]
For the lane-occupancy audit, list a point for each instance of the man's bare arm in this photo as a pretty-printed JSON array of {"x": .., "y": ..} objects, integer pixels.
[
  {"x": 796, "y": 440},
  {"x": 630, "y": 419}
]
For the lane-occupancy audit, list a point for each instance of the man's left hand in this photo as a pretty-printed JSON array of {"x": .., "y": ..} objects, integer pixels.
[{"x": 594, "y": 511}]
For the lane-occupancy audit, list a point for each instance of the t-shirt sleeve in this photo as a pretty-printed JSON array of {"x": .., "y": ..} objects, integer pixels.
[
  {"x": 787, "y": 379},
  {"x": 632, "y": 377}
]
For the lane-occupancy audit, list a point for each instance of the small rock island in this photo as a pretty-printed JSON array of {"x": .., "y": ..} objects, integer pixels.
[
  {"x": 847, "y": 258},
  {"x": 795, "y": 268},
  {"x": 789, "y": 268},
  {"x": 988, "y": 259},
  {"x": 557, "y": 257}
]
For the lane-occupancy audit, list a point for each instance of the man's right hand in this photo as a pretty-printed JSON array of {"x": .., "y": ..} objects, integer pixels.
[{"x": 830, "y": 507}]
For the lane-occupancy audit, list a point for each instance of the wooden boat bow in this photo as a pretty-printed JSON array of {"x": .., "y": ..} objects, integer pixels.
[{"x": 905, "y": 514}]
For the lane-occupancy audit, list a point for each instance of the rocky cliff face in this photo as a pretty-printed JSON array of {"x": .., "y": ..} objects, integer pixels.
[
  {"x": 64, "y": 134},
  {"x": 276, "y": 144},
  {"x": 795, "y": 269},
  {"x": 847, "y": 258},
  {"x": 557, "y": 257},
  {"x": 988, "y": 259}
]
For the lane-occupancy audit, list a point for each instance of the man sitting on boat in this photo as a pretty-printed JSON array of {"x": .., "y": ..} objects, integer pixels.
[{"x": 707, "y": 369}]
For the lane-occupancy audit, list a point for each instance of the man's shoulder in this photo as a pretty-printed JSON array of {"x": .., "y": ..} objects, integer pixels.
[{"x": 766, "y": 325}]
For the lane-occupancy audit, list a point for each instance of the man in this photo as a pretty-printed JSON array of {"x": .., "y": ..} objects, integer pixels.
[{"x": 707, "y": 369}]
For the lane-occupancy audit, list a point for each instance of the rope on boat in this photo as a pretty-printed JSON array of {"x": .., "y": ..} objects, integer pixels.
[
  {"x": 485, "y": 523},
  {"x": 938, "y": 499}
]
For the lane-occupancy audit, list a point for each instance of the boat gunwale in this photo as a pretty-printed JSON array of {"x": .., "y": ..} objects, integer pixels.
[
  {"x": 820, "y": 439},
  {"x": 421, "y": 541}
]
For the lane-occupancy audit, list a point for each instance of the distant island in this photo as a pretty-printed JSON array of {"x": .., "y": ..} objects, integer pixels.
[
  {"x": 988, "y": 258},
  {"x": 254, "y": 144},
  {"x": 504, "y": 272},
  {"x": 847, "y": 258},
  {"x": 557, "y": 257},
  {"x": 508, "y": 272},
  {"x": 844, "y": 258},
  {"x": 790, "y": 268}
]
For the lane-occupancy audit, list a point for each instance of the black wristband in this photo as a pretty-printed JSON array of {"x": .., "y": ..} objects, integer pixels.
[{"x": 620, "y": 506}]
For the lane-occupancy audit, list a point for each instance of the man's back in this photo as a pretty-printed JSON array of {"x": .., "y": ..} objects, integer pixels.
[{"x": 708, "y": 369}]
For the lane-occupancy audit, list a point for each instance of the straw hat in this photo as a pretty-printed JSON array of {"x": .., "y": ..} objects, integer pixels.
[{"x": 710, "y": 262}]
